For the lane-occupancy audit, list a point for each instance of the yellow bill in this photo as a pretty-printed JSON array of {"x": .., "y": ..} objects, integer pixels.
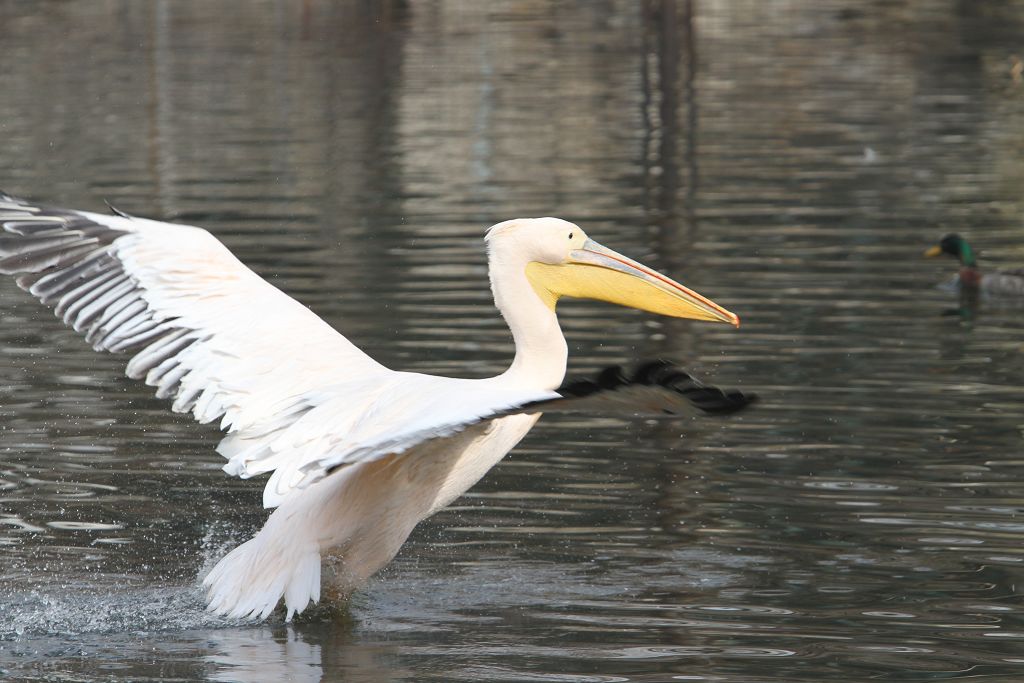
[
  {"x": 933, "y": 251},
  {"x": 596, "y": 272}
]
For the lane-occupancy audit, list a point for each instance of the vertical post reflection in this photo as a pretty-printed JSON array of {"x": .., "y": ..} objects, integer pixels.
[
  {"x": 671, "y": 172},
  {"x": 669, "y": 42}
]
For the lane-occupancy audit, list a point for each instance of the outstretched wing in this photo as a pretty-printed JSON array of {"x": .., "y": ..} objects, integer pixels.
[
  {"x": 352, "y": 423},
  {"x": 656, "y": 389},
  {"x": 205, "y": 330}
]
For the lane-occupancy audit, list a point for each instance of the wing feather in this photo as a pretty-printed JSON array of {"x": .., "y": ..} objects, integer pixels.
[
  {"x": 205, "y": 330},
  {"x": 655, "y": 389},
  {"x": 402, "y": 418}
]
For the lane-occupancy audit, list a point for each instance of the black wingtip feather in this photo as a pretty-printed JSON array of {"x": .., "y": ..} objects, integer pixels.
[
  {"x": 715, "y": 401},
  {"x": 663, "y": 373}
]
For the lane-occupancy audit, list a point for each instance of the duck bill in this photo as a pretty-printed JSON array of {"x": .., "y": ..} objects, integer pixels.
[
  {"x": 933, "y": 251},
  {"x": 596, "y": 272}
]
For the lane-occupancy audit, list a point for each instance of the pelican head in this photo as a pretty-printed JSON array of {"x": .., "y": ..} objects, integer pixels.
[{"x": 560, "y": 260}]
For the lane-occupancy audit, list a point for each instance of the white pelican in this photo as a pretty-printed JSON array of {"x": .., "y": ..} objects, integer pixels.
[{"x": 359, "y": 454}]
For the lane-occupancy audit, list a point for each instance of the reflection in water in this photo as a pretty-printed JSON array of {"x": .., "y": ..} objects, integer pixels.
[
  {"x": 789, "y": 159},
  {"x": 260, "y": 654}
]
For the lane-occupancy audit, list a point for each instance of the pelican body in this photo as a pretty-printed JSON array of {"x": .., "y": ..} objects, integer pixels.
[{"x": 357, "y": 454}]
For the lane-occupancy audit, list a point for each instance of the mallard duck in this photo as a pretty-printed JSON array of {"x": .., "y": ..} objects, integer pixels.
[{"x": 1005, "y": 282}]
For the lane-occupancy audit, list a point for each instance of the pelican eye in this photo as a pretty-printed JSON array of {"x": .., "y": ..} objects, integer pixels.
[{"x": 570, "y": 235}]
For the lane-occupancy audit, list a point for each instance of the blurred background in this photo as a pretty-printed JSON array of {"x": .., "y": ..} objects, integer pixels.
[{"x": 789, "y": 159}]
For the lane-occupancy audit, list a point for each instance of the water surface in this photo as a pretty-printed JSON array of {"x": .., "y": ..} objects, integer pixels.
[{"x": 791, "y": 160}]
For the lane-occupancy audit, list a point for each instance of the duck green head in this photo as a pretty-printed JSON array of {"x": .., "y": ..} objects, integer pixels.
[{"x": 955, "y": 246}]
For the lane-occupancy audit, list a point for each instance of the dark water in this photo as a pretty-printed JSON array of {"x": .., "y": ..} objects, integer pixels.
[{"x": 790, "y": 159}]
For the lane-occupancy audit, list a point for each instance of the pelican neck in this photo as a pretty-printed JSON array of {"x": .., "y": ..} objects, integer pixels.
[{"x": 541, "y": 349}]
